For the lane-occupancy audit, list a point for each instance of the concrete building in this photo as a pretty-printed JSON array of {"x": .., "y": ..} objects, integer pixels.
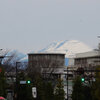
[
  {"x": 47, "y": 62},
  {"x": 88, "y": 59}
]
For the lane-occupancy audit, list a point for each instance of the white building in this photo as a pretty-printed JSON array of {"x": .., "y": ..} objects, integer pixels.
[{"x": 87, "y": 59}]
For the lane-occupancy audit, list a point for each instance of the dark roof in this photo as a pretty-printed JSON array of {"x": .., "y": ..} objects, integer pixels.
[{"x": 46, "y": 54}]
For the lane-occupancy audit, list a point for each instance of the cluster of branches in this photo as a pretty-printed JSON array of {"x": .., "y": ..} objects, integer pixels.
[
  {"x": 45, "y": 67},
  {"x": 9, "y": 59},
  {"x": 83, "y": 91}
]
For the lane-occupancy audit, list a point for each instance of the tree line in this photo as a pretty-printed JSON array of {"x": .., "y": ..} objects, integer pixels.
[{"x": 83, "y": 91}]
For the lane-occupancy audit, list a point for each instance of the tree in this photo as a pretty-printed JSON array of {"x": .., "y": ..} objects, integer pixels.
[
  {"x": 77, "y": 93},
  {"x": 59, "y": 90},
  {"x": 10, "y": 59},
  {"x": 87, "y": 92},
  {"x": 96, "y": 85},
  {"x": 38, "y": 83},
  {"x": 49, "y": 91},
  {"x": 80, "y": 71},
  {"x": 2, "y": 82}
]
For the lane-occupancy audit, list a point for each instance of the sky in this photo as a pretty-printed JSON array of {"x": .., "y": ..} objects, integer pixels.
[{"x": 30, "y": 25}]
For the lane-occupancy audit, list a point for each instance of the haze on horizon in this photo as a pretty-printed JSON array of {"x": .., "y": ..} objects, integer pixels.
[{"x": 29, "y": 25}]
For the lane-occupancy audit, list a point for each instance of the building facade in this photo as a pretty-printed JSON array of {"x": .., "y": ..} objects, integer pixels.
[
  {"x": 47, "y": 62},
  {"x": 88, "y": 59}
]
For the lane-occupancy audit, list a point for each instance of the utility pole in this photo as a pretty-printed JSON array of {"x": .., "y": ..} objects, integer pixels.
[
  {"x": 67, "y": 84},
  {"x": 16, "y": 94}
]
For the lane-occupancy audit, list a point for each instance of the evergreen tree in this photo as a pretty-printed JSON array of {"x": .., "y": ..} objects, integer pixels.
[
  {"x": 96, "y": 86},
  {"x": 59, "y": 90},
  {"x": 2, "y": 83},
  {"x": 78, "y": 93},
  {"x": 40, "y": 88},
  {"x": 49, "y": 91},
  {"x": 87, "y": 92},
  {"x": 45, "y": 90}
]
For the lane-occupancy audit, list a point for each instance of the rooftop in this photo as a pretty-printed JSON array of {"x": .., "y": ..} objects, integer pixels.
[
  {"x": 93, "y": 53},
  {"x": 46, "y": 54}
]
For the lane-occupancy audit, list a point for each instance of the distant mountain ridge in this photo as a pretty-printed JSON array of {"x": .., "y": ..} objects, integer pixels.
[{"x": 70, "y": 48}]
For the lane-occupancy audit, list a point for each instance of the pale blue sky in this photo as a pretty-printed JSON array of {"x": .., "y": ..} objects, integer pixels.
[{"x": 29, "y": 25}]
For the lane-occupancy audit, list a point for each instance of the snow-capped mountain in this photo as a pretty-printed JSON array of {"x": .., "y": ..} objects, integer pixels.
[
  {"x": 70, "y": 48},
  {"x": 14, "y": 55}
]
